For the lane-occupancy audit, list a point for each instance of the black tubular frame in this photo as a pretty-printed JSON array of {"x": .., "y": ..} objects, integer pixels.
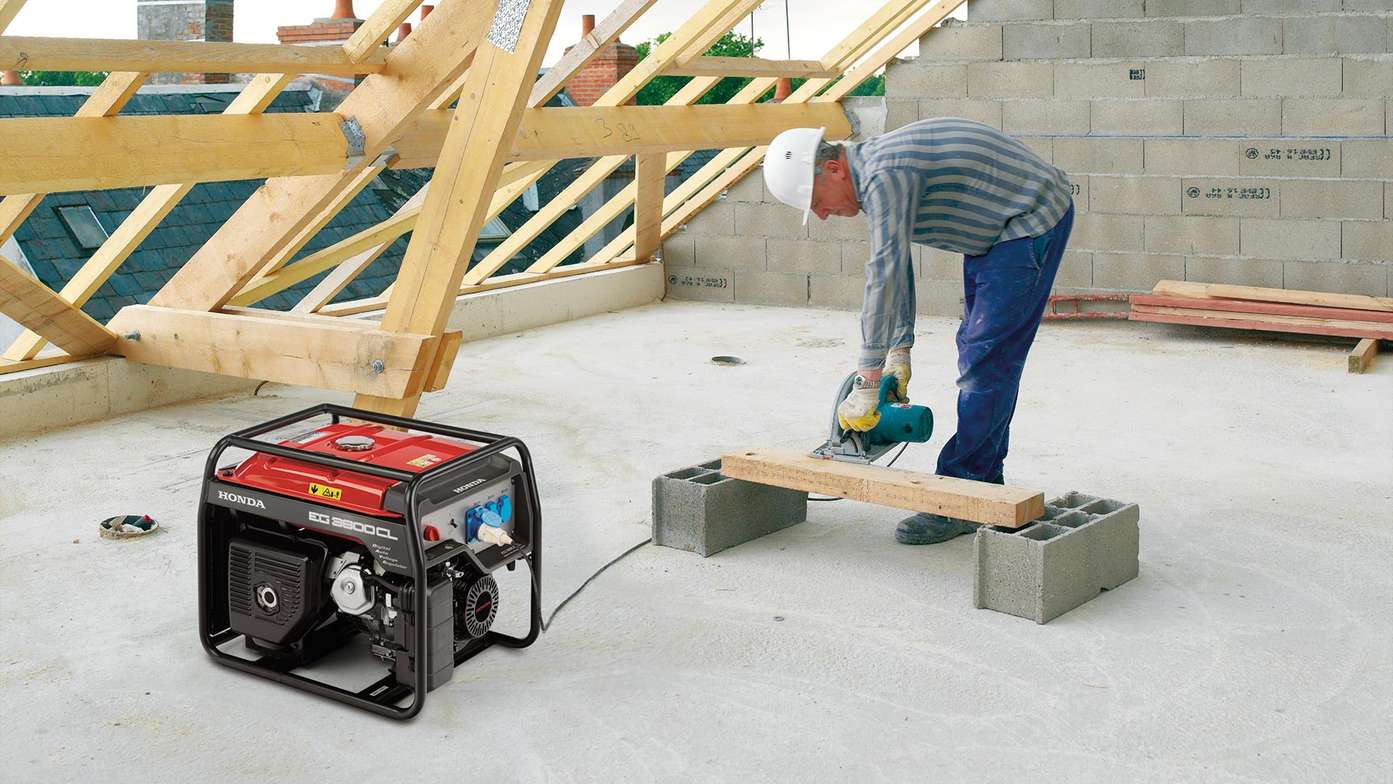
[{"x": 493, "y": 444}]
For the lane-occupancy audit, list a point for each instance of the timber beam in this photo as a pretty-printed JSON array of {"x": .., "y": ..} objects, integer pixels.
[
  {"x": 38, "y": 308},
  {"x": 753, "y": 67},
  {"x": 95, "y": 153},
  {"x": 309, "y": 351},
  {"x": 88, "y": 54}
]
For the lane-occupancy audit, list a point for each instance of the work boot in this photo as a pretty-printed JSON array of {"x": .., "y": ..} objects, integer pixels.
[{"x": 931, "y": 529}]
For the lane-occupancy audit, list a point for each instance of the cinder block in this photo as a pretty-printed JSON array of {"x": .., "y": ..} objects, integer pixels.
[
  {"x": 919, "y": 79},
  {"x": 730, "y": 252},
  {"x": 1367, "y": 77},
  {"x": 941, "y": 265},
  {"x": 1371, "y": 240},
  {"x": 775, "y": 221},
  {"x": 1289, "y": 239},
  {"x": 1100, "y": 80},
  {"x": 1099, "y": 156},
  {"x": 1208, "y": 78},
  {"x": 718, "y": 220},
  {"x": 1042, "y": 146},
  {"x": 1287, "y": 6},
  {"x": 1332, "y": 199},
  {"x": 1102, "y": 231},
  {"x": 1338, "y": 278},
  {"x": 1367, "y": 158},
  {"x": 1243, "y": 198},
  {"x": 1055, "y": 41},
  {"x": 983, "y": 111},
  {"x": 771, "y": 288},
  {"x": 1344, "y": 34},
  {"x": 1098, "y": 9},
  {"x": 701, "y": 510},
  {"x": 1289, "y": 157},
  {"x": 679, "y": 250},
  {"x": 1135, "y": 271},
  {"x": 1292, "y": 76},
  {"x": 815, "y": 256},
  {"x": 938, "y": 298},
  {"x": 1333, "y": 116},
  {"x": 1075, "y": 269},
  {"x": 1191, "y": 234},
  {"x": 961, "y": 42},
  {"x": 749, "y": 189},
  {"x": 854, "y": 257},
  {"x": 1189, "y": 156},
  {"x": 1233, "y": 116},
  {"x": 696, "y": 283},
  {"x": 839, "y": 292},
  {"x": 1368, "y": 5},
  {"x": 900, "y": 113},
  {"x": 1140, "y": 38},
  {"x": 837, "y": 228},
  {"x": 1044, "y": 115},
  {"x": 1235, "y": 271},
  {"x": 1234, "y": 35},
  {"x": 1143, "y": 117},
  {"x": 1004, "y": 10},
  {"x": 1191, "y": 7},
  {"x": 1130, "y": 195},
  {"x": 1079, "y": 191},
  {"x": 1082, "y": 547},
  {"x": 1010, "y": 80}
]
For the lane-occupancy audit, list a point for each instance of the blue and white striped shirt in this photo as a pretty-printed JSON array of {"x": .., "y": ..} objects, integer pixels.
[{"x": 949, "y": 183}]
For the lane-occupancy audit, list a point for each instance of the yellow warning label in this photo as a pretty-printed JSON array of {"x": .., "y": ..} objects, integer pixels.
[
  {"x": 325, "y": 491},
  {"x": 424, "y": 461}
]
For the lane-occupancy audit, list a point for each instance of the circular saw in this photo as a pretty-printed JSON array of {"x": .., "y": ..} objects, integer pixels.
[{"x": 899, "y": 423}]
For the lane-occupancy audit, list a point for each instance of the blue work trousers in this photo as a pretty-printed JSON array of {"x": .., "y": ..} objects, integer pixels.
[{"x": 1004, "y": 296}]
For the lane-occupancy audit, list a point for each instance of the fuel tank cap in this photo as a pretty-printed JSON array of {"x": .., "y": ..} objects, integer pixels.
[{"x": 355, "y": 443}]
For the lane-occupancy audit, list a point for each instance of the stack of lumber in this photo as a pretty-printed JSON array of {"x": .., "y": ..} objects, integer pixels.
[{"x": 1275, "y": 310}]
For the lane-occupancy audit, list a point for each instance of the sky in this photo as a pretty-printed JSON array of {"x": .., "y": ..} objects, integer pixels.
[{"x": 815, "y": 25}]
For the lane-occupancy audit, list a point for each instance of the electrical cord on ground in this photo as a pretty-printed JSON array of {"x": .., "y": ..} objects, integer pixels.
[
  {"x": 546, "y": 624},
  {"x": 903, "y": 447}
]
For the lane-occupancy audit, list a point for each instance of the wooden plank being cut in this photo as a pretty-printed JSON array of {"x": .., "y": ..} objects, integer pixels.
[
  {"x": 1181, "y": 288},
  {"x": 980, "y": 502}
]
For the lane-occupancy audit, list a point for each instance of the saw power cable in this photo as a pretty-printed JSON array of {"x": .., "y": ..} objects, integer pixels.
[{"x": 536, "y": 585}]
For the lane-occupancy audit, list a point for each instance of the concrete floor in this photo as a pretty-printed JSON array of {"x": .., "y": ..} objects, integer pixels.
[{"x": 1254, "y": 645}]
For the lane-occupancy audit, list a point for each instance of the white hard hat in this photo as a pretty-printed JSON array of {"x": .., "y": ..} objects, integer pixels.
[{"x": 789, "y": 164}]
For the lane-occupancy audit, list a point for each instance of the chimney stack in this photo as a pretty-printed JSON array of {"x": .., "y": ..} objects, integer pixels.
[
  {"x": 403, "y": 31},
  {"x": 343, "y": 9},
  {"x": 11, "y": 79},
  {"x": 425, "y": 11},
  {"x": 326, "y": 31},
  {"x": 608, "y": 66},
  {"x": 196, "y": 20},
  {"x": 783, "y": 89}
]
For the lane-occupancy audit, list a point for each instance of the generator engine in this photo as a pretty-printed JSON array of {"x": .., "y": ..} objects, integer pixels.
[{"x": 381, "y": 528}]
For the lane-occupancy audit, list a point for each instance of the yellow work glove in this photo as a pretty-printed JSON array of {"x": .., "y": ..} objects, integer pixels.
[
  {"x": 858, "y": 411},
  {"x": 897, "y": 365}
]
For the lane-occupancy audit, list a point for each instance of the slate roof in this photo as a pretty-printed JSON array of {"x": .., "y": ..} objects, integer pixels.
[{"x": 55, "y": 255}]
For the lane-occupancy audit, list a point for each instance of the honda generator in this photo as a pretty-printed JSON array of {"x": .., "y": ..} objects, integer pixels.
[{"x": 365, "y": 530}]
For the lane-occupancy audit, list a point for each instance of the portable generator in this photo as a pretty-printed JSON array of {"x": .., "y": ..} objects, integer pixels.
[{"x": 366, "y": 527}]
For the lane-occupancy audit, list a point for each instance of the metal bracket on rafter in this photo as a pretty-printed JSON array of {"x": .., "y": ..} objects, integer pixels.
[{"x": 353, "y": 132}]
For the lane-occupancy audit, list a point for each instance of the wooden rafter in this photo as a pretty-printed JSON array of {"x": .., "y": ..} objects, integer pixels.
[
  {"x": 418, "y": 71},
  {"x": 36, "y": 307},
  {"x": 108, "y": 99},
  {"x": 8, "y": 10},
  {"x": 606, "y": 32},
  {"x": 368, "y": 38},
  {"x": 752, "y": 66},
  {"x": 254, "y": 98},
  {"x": 471, "y": 162},
  {"x": 87, "y": 54}
]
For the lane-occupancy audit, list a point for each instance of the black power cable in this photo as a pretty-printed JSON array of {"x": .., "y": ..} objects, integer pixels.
[{"x": 546, "y": 624}]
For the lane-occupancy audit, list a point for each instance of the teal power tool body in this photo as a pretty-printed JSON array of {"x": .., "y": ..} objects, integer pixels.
[{"x": 899, "y": 423}]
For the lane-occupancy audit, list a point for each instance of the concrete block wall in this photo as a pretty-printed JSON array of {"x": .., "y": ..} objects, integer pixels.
[{"x": 1231, "y": 141}]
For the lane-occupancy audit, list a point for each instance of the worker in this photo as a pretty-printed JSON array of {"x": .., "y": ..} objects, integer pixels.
[{"x": 959, "y": 186}]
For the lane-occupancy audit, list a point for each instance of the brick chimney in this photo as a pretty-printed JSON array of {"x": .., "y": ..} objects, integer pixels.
[
  {"x": 196, "y": 20},
  {"x": 336, "y": 28},
  {"x": 608, "y": 66}
]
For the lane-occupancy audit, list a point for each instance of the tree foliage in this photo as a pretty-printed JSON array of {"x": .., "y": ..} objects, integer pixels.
[{"x": 63, "y": 78}]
